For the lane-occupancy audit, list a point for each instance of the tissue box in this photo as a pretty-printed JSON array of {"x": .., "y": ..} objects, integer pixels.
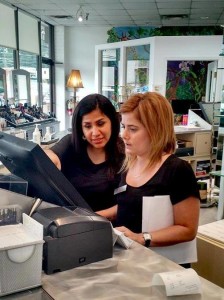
[
  {"x": 13, "y": 183},
  {"x": 21, "y": 249}
]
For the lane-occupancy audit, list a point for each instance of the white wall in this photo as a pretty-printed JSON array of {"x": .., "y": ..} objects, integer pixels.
[
  {"x": 182, "y": 48},
  {"x": 162, "y": 49},
  {"x": 79, "y": 53},
  {"x": 79, "y": 46}
]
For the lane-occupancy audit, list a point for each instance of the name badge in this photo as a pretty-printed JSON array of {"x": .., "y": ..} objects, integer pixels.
[{"x": 121, "y": 189}]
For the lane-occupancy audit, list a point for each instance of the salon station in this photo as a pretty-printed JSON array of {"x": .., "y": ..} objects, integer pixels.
[{"x": 51, "y": 56}]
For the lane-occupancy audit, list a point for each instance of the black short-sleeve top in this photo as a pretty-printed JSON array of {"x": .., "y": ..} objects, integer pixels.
[
  {"x": 91, "y": 180},
  {"x": 174, "y": 178}
]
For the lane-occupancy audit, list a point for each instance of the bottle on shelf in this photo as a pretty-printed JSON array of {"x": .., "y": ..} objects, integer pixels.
[
  {"x": 47, "y": 136},
  {"x": 37, "y": 135}
]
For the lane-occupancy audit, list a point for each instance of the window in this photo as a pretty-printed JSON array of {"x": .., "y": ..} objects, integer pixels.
[
  {"x": 47, "y": 67},
  {"x": 28, "y": 62},
  {"x": 17, "y": 52},
  {"x": 45, "y": 36},
  {"x": 7, "y": 58}
]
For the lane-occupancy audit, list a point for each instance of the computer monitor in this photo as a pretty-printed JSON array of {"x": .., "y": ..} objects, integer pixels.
[
  {"x": 210, "y": 112},
  {"x": 28, "y": 161},
  {"x": 182, "y": 106}
]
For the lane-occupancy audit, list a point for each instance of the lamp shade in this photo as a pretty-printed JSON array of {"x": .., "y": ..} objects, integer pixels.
[{"x": 74, "y": 79}]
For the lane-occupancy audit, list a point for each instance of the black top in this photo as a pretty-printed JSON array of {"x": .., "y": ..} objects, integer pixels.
[
  {"x": 174, "y": 178},
  {"x": 91, "y": 180}
]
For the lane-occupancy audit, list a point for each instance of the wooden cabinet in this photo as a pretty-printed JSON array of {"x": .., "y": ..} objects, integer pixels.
[
  {"x": 195, "y": 148},
  {"x": 203, "y": 143}
]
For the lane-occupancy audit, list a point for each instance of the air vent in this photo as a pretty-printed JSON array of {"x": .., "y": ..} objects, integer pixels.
[
  {"x": 62, "y": 17},
  {"x": 174, "y": 17}
]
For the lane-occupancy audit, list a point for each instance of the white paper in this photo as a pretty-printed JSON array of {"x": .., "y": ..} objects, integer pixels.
[
  {"x": 157, "y": 213},
  {"x": 33, "y": 227},
  {"x": 214, "y": 230},
  {"x": 30, "y": 232},
  {"x": 183, "y": 282},
  {"x": 121, "y": 239}
]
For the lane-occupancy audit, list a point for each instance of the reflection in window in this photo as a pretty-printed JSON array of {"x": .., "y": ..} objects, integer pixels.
[
  {"x": 7, "y": 63},
  {"x": 47, "y": 67},
  {"x": 3, "y": 87},
  {"x": 137, "y": 69},
  {"x": 46, "y": 88},
  {"x": 6, "y": 58},
  {"x": 45, "y": 40},
  {"x": 110, "y": 75},
  {"x": 28, "y": 62},
  {"x": 21, "y": 86}
]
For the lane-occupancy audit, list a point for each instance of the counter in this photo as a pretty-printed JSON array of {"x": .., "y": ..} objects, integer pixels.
[{"x": 128, "y": 275}]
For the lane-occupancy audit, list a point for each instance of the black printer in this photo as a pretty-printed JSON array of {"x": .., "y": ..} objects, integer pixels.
[{"x": 73, "y": 238}]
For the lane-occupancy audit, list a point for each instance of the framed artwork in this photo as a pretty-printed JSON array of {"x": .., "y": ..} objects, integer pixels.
[{"x": 186, "y": 80}]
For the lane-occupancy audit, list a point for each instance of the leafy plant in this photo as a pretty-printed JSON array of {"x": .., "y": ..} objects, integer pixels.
[{"x": 117, "y": 34}]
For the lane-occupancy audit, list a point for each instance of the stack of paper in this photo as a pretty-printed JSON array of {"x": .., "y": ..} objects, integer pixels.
[
  {"x": 121, "y": 239},
  {"x": 214, "y": 231}
]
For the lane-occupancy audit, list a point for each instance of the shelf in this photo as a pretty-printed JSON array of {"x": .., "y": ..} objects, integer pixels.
[
  {"x": 221, "y": 131},
  {"x": 217, "y": 173}
]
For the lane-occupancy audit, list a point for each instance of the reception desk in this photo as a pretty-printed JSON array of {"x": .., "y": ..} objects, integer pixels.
[{"x": 128, "y": 275}]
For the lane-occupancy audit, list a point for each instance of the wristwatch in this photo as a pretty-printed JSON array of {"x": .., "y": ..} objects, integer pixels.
[{"x": 147, "y": 237}]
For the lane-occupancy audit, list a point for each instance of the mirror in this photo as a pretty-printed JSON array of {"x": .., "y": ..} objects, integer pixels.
[
  {"x": 21, "y": 86},
  {"x": 3, "y": 87}
]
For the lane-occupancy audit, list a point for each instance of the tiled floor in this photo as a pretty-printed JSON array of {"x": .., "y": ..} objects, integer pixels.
[{"x": 207, "y": 215}]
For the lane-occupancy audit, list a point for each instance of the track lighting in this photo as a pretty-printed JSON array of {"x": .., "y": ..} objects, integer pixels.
[{"x": 81, "y": 15}]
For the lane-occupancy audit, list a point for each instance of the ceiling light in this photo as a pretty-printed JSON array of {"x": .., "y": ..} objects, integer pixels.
[
  {"x": 80, "y": 18},
  {"x": 82, "y": 15}
]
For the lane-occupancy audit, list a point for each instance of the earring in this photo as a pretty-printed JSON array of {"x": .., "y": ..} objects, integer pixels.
[{"x": 84, "y": 138}]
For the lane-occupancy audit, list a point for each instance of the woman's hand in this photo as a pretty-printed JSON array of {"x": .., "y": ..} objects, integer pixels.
[
  {"x": 184, "y": 229},
  {"x": 109, "y": 213},
  {"x": 137, "y": 237}
]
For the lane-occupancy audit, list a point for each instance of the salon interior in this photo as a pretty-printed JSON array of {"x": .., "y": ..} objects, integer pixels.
[{"x": 54, "y": 53}]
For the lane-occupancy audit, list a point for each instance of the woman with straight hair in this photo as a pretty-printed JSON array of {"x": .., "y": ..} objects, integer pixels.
[
  {"x": 155, "y": 183},
  {"x": 92, "y": 155}
]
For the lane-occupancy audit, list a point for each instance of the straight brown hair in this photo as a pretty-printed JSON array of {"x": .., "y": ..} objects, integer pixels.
[{"x": 155, "y": 113}]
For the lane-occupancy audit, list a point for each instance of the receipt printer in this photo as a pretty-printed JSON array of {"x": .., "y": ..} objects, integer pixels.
[{"x": 73, "y": 238}]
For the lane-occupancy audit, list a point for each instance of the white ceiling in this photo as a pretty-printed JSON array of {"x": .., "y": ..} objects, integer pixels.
[{"x": 115, "y": 13}]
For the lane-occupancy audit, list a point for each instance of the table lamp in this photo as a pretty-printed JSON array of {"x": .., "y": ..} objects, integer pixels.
[{"x": 74, "y": 81}]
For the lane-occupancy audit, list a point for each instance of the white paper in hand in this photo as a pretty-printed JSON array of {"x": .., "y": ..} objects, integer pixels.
[
  {"x": 157, "y": 213},
  {"x": 121, "y": 239}
]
